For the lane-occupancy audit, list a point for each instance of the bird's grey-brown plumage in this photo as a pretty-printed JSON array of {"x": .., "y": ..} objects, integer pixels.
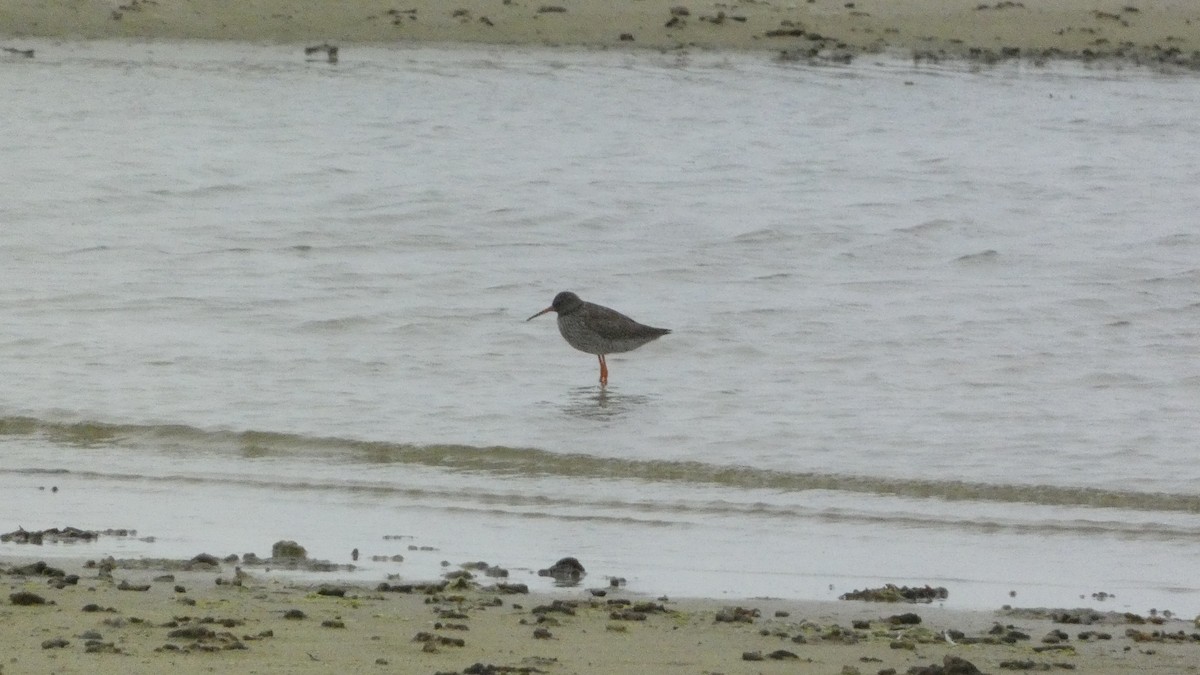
[{"x": 598, "y": 330}]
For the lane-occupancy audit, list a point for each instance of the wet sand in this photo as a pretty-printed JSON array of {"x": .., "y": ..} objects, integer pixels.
[
  {"x": 155, "y": 617},
  {"x": 1142, "y": 31}
]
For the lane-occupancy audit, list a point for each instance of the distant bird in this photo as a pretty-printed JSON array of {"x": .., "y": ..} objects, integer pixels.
[{"x": 598, "y": 330}]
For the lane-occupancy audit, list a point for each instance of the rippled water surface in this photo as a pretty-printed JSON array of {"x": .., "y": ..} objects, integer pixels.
[{"x": 930, "y": 325}]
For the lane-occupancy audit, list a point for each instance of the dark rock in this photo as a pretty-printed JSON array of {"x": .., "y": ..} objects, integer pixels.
[
  {"x": 956, "y": 665},
  {"x": 294, "y": 614},
  {"x": 1055, "y": 636},
  {"x": 39, "y": 569},
  {"x": 64, "y": 581},
  {"x": 333, "y": 623},
  {"x": 893, "y": 593},
  {"x": 55, "y": 643},
  {"x": 25, "y": 598},
  {"x": 489, "y": 669},
  {"x": 126, "y": 586},
  {"x": 288, "y": 549},
  {"x": 565, "y": 570},
  {"x": 1054, "y": 648},
  {"x": 53, "y": 535},
  {"x": 428, "y": 589},
  {"x": 736, "y": 615},
  {"x": 752, "y": 656},
  {"x": 331, "y": 591},
  {"x": 432, "y": 639},
  {"x": 627, "y": 615},
  {"x": 906, "y": 619},
  {"x": 193, "y": 633},
  {"x": 1027, "y": 664},
  {"x": 560, "y": 606},
  {"x": 649, "y": 607},
  {"x": 781, "y": 655},
  {"x": 205, "y": 559}
]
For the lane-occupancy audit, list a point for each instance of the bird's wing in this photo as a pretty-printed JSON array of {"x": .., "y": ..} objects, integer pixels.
[{"x": 609, "y": 323}]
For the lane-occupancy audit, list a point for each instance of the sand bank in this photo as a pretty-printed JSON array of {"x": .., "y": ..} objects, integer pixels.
[
  {"x": 1137, "y": 30},
  {"x": 164, "y": 618}
]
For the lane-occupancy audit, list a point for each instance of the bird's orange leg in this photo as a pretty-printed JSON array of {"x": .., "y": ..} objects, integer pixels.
[{"x": 603, "y": 371}]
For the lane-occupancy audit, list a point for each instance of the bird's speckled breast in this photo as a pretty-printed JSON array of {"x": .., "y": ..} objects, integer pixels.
[
  {"x": 575, "y": 331},
  {"x": 609, "y": 333}
]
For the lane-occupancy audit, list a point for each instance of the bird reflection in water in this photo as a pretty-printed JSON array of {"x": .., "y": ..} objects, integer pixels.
[{"x": 602, "y": 404}]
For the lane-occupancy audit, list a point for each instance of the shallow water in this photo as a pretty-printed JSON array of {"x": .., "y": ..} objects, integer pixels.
[{"x": 930, "y": 325}]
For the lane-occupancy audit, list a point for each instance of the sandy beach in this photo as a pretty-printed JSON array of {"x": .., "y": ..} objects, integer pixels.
[
  {"x": 1142, "y": 31},
  {"x": 205, "y": 615}
]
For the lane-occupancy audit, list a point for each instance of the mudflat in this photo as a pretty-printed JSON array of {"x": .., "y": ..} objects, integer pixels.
[
  {"x": 204, "y": 615},
  {"x": 1142, "y": 31}
]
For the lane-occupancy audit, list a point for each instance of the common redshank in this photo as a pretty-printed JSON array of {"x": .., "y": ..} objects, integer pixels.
[{"x": 598, "y": 330}]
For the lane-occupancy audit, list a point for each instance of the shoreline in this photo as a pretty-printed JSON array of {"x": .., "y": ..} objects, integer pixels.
[
  {"x": 1161, "y": 32},
  {"x": 191, "y": 618}
]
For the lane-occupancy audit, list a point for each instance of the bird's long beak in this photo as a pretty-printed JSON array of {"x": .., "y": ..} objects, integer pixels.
[{"x": 548, "y": 309}]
